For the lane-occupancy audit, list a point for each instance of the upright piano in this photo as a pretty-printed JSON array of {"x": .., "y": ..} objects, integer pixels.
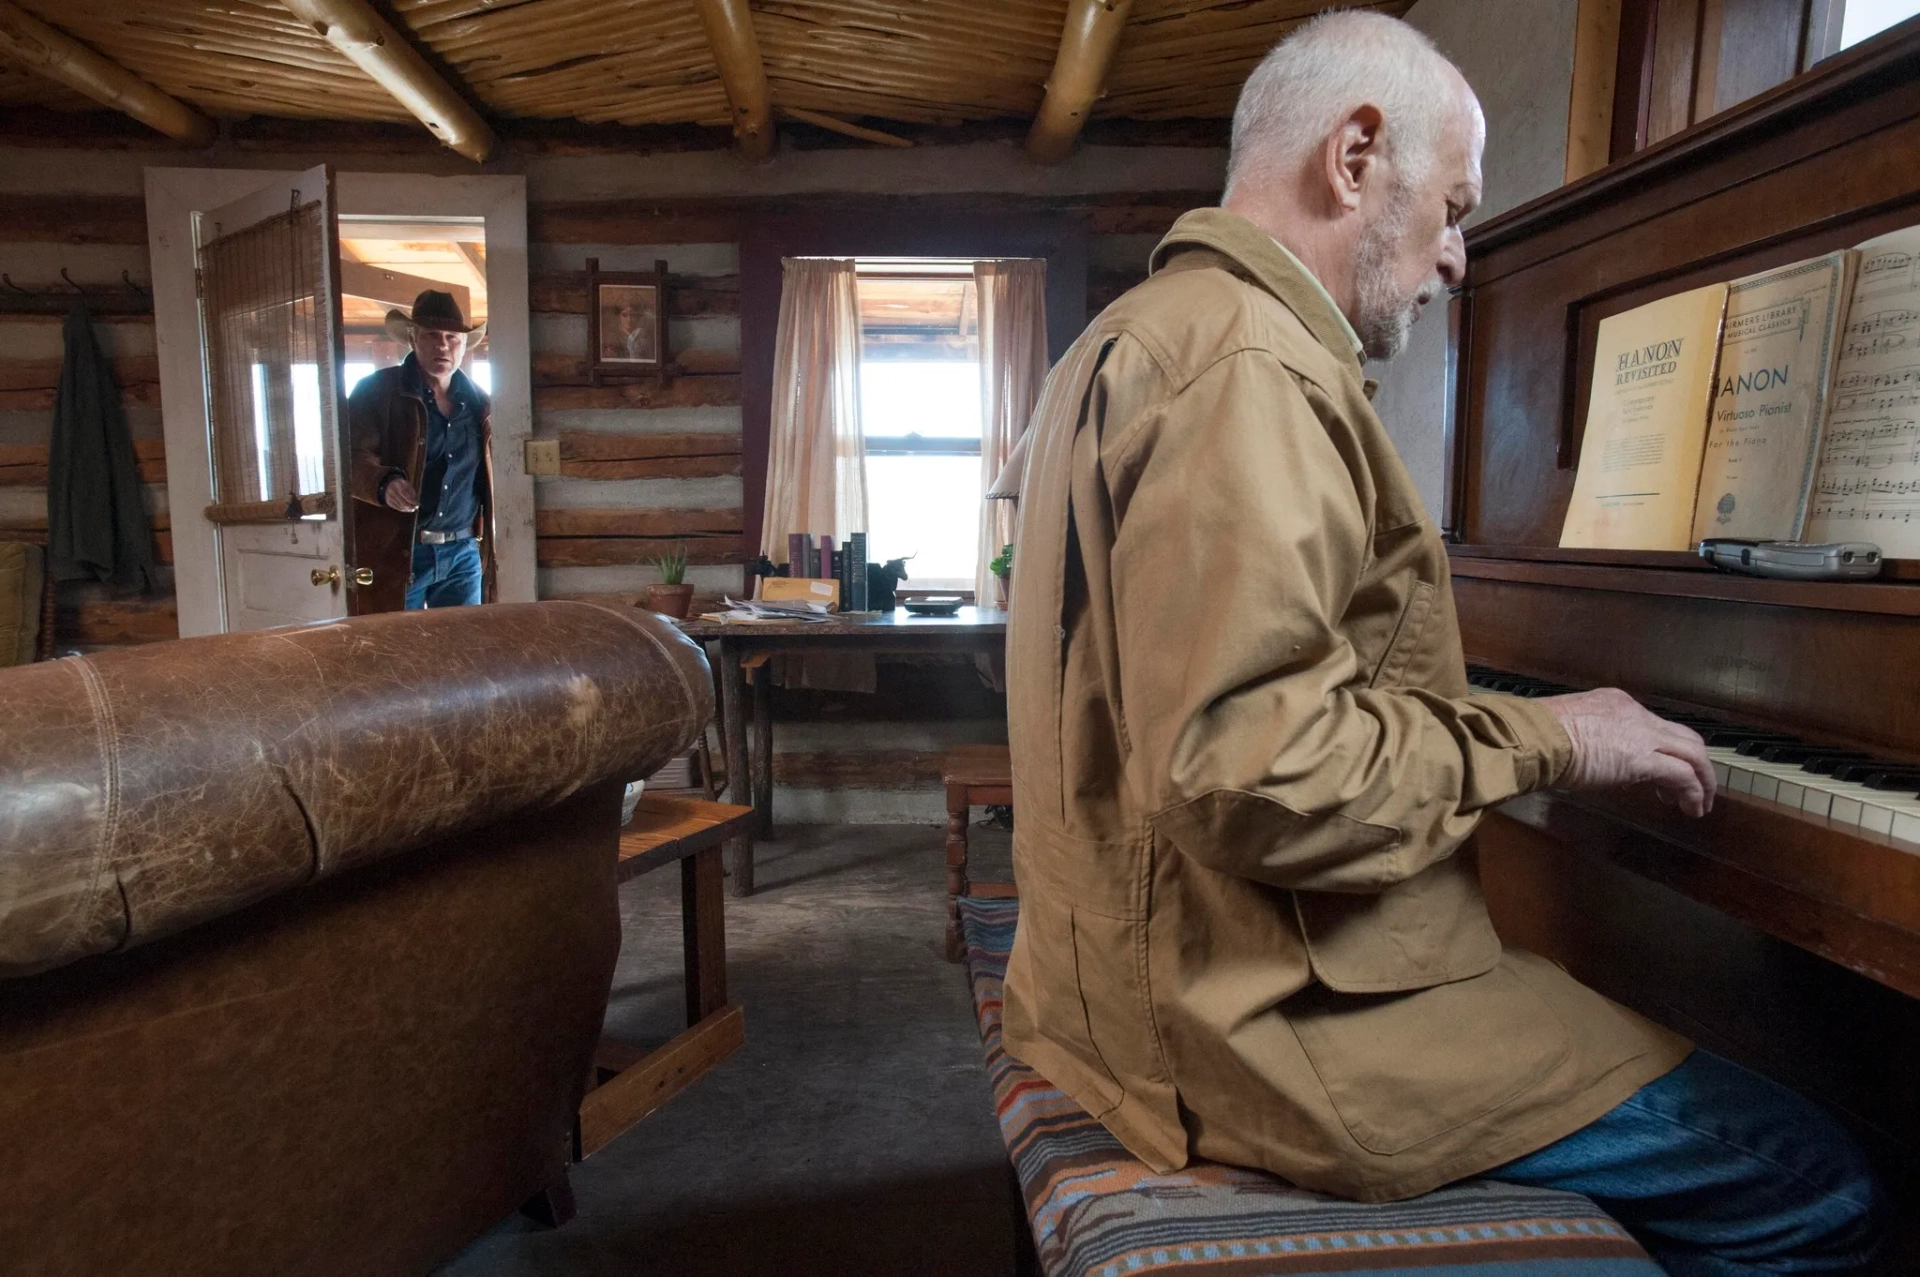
[{"x": 1784, "y": 928}]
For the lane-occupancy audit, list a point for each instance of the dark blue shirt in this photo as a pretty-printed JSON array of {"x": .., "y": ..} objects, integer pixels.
[{"x": 450, "y": 484}]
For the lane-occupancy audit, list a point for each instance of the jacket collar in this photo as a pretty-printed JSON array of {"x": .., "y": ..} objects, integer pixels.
[{"x": 1266, "y": 262}]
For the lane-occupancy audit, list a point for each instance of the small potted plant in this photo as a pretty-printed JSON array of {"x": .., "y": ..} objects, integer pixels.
[
  {"x": 673, "y": 596},
  {"x": 1002, "y": 569}
]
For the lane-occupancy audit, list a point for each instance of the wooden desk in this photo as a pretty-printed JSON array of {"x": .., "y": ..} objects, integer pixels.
[{"x": 743, "y": 646}]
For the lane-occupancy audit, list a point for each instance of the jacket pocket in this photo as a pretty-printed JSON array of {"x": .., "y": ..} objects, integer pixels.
[
  {"x": 1050, "y": 1008},
  {"x": 1406, "y": 636},
  {"x": 1402, "y": 1069}
]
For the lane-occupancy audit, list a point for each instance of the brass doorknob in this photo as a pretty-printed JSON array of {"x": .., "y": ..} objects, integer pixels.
[
  {"x": 363, "y": 576},
  {"x": 326, "y": 576}
]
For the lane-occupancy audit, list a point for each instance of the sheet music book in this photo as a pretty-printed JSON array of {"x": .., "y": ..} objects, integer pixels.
[
  {"x": 1653, "y": 372},
  {"x": 1868, "y": 487},
  {"x": 1778, "y": 349}
]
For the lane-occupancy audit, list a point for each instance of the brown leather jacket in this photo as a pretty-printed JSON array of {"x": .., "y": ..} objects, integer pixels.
[
  {"x": 1247, "y": 761},
  {"x": 387, "y": 425}
]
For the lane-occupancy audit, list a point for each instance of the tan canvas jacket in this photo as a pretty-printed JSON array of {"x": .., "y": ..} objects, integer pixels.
[{"x": 1246, "y": 760}]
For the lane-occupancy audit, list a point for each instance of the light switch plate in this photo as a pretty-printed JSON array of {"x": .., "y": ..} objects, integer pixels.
[{"x": 543, "y": 456}]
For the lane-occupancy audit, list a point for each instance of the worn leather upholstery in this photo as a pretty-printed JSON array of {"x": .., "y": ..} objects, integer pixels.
[
  {"x": 386, "y": 850},
  {"x": 152, "y": 788}
]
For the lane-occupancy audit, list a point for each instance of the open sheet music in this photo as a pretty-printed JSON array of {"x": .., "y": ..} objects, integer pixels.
[{"x": 1869, "y": 483}]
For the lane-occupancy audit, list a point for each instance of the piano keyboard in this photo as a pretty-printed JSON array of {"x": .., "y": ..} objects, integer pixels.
[{"x": 1846, "y": 786}]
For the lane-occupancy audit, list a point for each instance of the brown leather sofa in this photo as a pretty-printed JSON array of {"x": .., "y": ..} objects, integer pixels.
[{"x": 306, "y": 935}]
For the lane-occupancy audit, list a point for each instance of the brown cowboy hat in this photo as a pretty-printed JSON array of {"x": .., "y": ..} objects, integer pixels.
[{"x": 434, "y": 310}]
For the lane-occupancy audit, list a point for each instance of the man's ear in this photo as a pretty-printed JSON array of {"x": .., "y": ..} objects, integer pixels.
[{"x": 1351, "y": 151}]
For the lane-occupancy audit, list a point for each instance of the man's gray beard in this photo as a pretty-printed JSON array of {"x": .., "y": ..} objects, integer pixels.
[{"x": 1384, "y": 315}]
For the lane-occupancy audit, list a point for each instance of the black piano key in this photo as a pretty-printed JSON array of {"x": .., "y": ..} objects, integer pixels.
[
  {"x": 1894, "y": 780},
  {"x": 1856, "y": 772},
  {"x": 1752, "y": 748},
  {"x": 1804, "y": 753},
  {"x": 1729, "y": 737}
]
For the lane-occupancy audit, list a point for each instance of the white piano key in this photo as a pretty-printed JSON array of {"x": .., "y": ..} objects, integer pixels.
[
  {"x": 1907, "y": 825},
  {"x": 1816, "y": 801},
  {"x": 1845, "y": 810},
  {"x": 1791, "y": 793}
]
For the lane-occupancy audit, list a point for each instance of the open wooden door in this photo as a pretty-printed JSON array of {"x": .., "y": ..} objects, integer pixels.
[{"x": 268, "y": 283}]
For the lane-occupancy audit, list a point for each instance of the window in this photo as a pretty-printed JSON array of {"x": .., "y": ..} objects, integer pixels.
[
  {"x": 920, "y": 417},
  {"x": 1863, "y": 18}
]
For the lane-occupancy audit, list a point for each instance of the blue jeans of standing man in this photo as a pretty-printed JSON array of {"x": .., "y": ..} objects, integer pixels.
[
  {"x": 1718, "y": 1172},
  {"x": 447, "y": 575}
]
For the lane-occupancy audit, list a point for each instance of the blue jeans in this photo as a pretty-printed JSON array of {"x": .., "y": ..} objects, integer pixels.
[
  {"x": 446, "y": 575},
  {"x": 1718, "y": 1171}
]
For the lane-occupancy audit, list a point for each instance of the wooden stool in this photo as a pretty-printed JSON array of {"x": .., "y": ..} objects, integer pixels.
[
  {"x": 628, "y": 1083},
  {"x": 976, "y": 776}
]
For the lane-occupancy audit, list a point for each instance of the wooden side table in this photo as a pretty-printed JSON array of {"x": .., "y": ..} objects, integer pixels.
[
  {"x": 627, "y": 1082},
  {"x": 976, "y": 776}
]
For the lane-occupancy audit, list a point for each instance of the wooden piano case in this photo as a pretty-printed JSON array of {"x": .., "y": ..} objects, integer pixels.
[{"x": 1763, "y": 933}]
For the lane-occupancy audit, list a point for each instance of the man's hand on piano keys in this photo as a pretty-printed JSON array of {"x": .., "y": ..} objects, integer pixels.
[{"x": 1618, "y": 742}]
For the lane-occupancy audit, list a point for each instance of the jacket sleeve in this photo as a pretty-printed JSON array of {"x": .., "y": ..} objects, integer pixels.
[
  {"x": 366, "y": 421},
  {"x": 1254, "y": 736}
]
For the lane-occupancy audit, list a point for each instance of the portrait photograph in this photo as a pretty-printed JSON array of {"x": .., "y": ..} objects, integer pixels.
[{"x": 629, "y": 323}]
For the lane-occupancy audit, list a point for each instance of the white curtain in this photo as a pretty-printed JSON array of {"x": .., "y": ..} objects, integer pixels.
[
  {"x": 816, "y": 459},
  {"x": 1013, "y": 364}
]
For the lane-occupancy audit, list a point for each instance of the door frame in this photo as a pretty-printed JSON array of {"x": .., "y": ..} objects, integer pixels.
[{"x": 173, "y": 195}]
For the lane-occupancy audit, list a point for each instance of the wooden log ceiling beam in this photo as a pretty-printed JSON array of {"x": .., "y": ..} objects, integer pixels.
[
  {"x": 1079, "y": 79},
  {"x": 59, "y": 56},
  {"x": 371, "y": 43},
  {"x": 743, "y": 73}
]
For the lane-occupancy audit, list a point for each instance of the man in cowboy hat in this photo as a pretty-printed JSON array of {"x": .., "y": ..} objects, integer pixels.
[{"x": 423, "y": 467}]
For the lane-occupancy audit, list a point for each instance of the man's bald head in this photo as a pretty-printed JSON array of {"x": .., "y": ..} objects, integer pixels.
[{"x": 1357, "y": 146}]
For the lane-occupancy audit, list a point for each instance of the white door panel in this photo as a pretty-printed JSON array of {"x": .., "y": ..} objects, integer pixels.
[
  {"x": 269, "y": 574},
  {"x": 266, "y": 568}
]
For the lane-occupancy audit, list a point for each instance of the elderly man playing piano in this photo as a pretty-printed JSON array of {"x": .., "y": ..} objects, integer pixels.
[{"x": 1249, "y": 931}]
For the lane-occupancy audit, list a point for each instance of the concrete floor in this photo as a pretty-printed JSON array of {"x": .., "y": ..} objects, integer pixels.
[{"x": 854, "y": 1131}]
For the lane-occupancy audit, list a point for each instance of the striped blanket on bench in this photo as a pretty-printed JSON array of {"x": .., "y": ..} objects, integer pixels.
[{"x": 1097, "y": 1212}]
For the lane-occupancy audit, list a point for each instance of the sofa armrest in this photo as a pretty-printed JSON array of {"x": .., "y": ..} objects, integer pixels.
[{"x": 145, "y": 790}]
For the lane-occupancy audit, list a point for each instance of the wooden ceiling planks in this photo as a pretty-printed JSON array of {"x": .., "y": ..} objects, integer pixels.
[
  {"x": 646, "y": 62},
  {"x": 1187, "y": 58},
  {"x": 926, "y": 62},
  {"x": 603, "y": 61},
  {"x": 229, "y": 57}
]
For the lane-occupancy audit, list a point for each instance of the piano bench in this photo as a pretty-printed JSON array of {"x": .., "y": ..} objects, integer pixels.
[{"x": 1092, "y": 1210}]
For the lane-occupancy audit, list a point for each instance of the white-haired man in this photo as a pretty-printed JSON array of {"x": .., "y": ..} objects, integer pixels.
[{"x": 1245, "y": 751}]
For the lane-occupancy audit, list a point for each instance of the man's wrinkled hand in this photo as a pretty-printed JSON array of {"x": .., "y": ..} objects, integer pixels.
[
  {"x": 400, "y": 495},
  {"x": 1618, "y": 742}
]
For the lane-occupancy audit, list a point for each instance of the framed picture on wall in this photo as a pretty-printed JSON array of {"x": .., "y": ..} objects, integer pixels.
[{"x": 626, "y": 322}]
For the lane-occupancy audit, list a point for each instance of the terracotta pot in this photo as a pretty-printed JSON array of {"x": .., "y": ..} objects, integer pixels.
[{"x": 670, "y": 600}]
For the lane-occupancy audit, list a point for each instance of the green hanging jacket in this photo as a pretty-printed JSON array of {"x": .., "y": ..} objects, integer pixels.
[{"x": 97, "y": 526}]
